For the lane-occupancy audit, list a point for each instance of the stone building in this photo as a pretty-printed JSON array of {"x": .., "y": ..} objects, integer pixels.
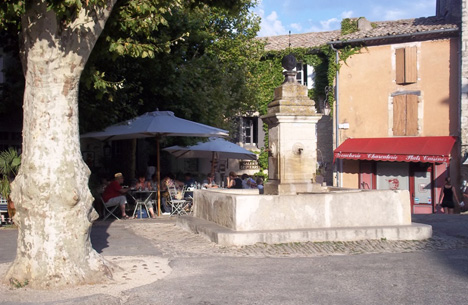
[{"x": 399, "y": 119}]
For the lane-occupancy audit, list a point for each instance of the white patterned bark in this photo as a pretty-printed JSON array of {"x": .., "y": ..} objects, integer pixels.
[{"x": 51, "y": 194}]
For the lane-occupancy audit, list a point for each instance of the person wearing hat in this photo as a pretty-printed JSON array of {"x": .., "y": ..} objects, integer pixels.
[{"x": 114, "y": 194}]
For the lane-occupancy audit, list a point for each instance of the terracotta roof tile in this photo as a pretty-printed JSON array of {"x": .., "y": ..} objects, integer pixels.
[
  {"x": 381, "y": 29},
  {"x": 399, "y": 27},
  {"x": 306, "y": 40}
]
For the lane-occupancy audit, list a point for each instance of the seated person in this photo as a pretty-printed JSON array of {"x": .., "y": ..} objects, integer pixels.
[
  {"x": 209, "y": 182},
  {"x": 168, "y": 181},
  {"x": 248, "y": 182},
  {"x": 143, "y": 185},
  {"x": 260, "y": 185},
  {"x": 114, "y": 194},
  {"x": 234, "y": 182},
  {"x": 188, "y": 180}
]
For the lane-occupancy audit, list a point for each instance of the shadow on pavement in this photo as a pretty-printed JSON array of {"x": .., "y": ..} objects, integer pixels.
[
  {"x": 99, "y": 235},
  {"x": 450, "y": 232}
]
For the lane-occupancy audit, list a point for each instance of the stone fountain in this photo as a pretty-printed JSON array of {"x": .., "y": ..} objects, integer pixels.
[
  {"x": 292, "y": 121},
  {"x": 294, "y": 208}
]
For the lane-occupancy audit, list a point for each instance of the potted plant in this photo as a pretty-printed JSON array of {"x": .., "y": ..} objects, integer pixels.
[{"x": 9, "y": 164}]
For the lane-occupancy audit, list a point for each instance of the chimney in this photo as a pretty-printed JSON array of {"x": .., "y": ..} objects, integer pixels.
[
  {"x": 363, "y": 24},
  {"x": 450, "y": 10}
]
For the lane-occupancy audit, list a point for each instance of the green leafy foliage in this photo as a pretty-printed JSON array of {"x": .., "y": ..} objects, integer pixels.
[
  {"x": 263, "y": 159},
  {"x": 202, "y": 67},
  {"x": 261, "y": 174},
  {"x": 349, "y": 25},
  {"x": 269, "y": 74},
  {"x": 197, "y": 58},
  {"x": 132, "y": 28},
  {"x": 333, "y": 66},
  {"x": 10, "y": 162},
  {"x": 66, "y": 10},
  {"x": 10, "y": 12}
]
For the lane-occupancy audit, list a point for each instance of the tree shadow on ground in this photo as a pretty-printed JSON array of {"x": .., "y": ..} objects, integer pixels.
[{"x": 99, "y": 235}]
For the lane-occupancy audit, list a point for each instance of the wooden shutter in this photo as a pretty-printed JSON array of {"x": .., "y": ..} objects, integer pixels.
[
  {"x": 405, "y": 115},
  {"x": 411, "y": 71},
  {"x": 399, "y": 115},
  {"x": 411, "y": 115},
  {"x": 406, "y": 65},
  {"x": 400, "y": 65}
]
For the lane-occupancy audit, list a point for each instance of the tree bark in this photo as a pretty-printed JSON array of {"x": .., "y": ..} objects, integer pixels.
[{"x": 53, "y": 202}]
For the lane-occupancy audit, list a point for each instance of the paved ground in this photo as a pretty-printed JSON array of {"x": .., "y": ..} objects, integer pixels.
[{"x": 200, "y": 272}]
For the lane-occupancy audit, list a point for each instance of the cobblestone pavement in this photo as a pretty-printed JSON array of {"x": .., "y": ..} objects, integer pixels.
[{"x": 174, "y": 241}]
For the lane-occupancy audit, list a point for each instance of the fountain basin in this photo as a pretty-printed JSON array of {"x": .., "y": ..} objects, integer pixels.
[{"x": 242, "y": 217}]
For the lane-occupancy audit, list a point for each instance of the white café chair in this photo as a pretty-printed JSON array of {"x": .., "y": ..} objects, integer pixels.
[
  {"x": 177, "y": 201},
  {"x": 189, "y": 198},
  {"x": 109, "y": 210}
]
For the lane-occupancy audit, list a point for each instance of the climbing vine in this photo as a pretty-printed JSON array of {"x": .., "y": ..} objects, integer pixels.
[
  {"x": 269, "y": 72},
  {"x": 268, "y": 76},
  {"x": 333, "y": 66},
  {"x": 271, "y": 76},
  {"x": 349, "y": 25}
]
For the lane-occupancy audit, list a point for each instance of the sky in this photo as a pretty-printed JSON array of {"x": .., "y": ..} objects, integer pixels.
[{"x": 303, "y": 16}]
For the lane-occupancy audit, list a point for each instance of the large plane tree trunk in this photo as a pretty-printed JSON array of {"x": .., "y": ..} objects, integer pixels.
[{"x": 51, "y": 194}]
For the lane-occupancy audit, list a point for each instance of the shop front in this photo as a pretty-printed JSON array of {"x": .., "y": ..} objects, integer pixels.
[{"x": 416, "y": 164}]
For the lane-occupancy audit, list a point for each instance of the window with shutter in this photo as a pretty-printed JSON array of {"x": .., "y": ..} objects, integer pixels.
[
  {"x": 305, "y": 75},
  {"x": 250, "y": 131},
  {"x": 405, "y": 115},
  {"x": 406, "y": 65}
]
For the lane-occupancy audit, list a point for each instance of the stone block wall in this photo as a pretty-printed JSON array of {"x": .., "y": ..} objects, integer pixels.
[{"x": 243, "y": 211}]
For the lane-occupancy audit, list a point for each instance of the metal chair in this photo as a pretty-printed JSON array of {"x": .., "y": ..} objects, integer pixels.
[
  {"x": 109, "y": 210},
  {"x": 177, "y": 201},
  {"x": 189, "y": 198}
]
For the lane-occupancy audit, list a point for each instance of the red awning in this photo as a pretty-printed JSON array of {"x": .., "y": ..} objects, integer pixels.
[{"x": 405, "y": 149}]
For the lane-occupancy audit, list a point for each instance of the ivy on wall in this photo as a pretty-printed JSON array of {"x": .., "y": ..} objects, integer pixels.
[
  {"x": 323, "y": 61},
  {"x": 334, "y": 66},
  {"x": 349, "y": 25},
  {"x": 269, "y": 75}
]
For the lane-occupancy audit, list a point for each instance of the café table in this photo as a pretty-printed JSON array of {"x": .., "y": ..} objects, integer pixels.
[{"x": 142, "y": 199}]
